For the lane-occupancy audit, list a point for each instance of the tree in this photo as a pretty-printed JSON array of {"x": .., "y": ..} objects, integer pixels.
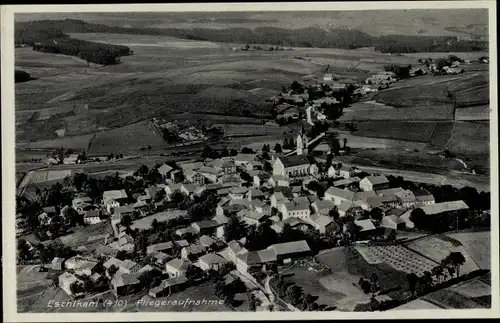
[
  {"x": 455, "y": 259},
  {"x": 126, "y": 221},
  {"x": 266, "y": 148},
  {"x": 412, "y": 282},
  {"x": 252, "y": 306},
  {"x": 345, "y": 143},
  {"x": 277, "y": 148},
  {"x": 194, "y": 272},
  {"x": 143, "y": 170},
  {"x": 419, "y": 218},
  {"x": 235, "y": 229},
  {"x": 76, "y": 287},
  {"x": 437, "y": 271},
  {"x": 246, "y": 150},
  {"x": 233, "y": 152},
  {"x": 294, "y": 294},
  {"x": 376, "y": 214},
  {"x": 23, "y": 250},
  {"x": 268, "y": 167},
  {"x": 112, "y": 270}
]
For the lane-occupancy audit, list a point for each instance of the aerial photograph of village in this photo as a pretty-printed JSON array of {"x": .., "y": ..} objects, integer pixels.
[{"x": 252, "y": 161}]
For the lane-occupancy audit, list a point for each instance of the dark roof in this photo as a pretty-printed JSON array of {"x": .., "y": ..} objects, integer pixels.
[
  {"x": 295, "y": 160},
  {"x": 207, "y": 224},
  {"x": 286, "y": 191}
]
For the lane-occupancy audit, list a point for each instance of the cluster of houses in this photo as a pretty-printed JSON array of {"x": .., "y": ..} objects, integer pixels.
[
  {"x": 278, "y": 197},
  {"x": 181, "y": 129}
]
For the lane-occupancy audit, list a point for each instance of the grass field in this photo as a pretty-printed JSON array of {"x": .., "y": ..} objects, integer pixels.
[
  {"x": 81, "y": 234},
  {"x": 41, "y": 176},
  {"x": 477, "y": 244},
  {"x": 363, "y": 111},
  {"x": 346, "y": 267},
  {"x": 410, "y": 131},
  {"x": 439, "y": 247},
  {"x": 469, "y": 137},
  {"x": 473, "y": 113}
]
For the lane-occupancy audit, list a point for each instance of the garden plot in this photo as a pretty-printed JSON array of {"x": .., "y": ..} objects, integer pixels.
[
  {"x": 477, "y": 244},
  {"x": 437, "y": 248},
  {"x": 35, "y": 177},
  {"x": 398, "y": 257}
]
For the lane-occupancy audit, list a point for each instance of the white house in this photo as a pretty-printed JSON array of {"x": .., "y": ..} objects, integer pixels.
[
  {"x": 279, "y": 180},
  {"x": 212, "y": 261},
  {"x": 292, "y": 166},
  {"x": 177, "y": 267},
  {"x": 91, "y": 217},
  {"x": 65, "y": 281},
  {"x": 337, "y": 195},
  {"x": 299, "y": 208}
]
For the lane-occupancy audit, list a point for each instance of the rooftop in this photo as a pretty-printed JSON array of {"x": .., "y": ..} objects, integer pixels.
[
  {"x": 295, "y": 160},
  {"x": 337, "y": 192},
  {"x": 290, "y": 247},
  {"x": 444, "y": 207},
  {"x": 114, "y": 195}
]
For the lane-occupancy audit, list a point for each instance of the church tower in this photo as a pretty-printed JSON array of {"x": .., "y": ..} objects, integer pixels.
[{"x": 302, "y": 142}]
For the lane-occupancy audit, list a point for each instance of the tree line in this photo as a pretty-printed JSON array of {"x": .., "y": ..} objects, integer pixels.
[
  {"x": 304, "y": 37},
  {"x": 103, "y": 54}
]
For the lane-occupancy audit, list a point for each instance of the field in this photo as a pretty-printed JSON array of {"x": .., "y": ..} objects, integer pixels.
[
  {"x": 127, "y": 139},
  {"x": 346, "y": 267},
  {"x": 368, "y": 111},
  {"x": 81, "y": 234},
  {"x": 439, "y": 247},
  {"x": 473, "y": 113},
  {"x": 477, "y": 245},
  {"x": 472, "y": 294},
  {"x": 410, "y": 131},
  {"x": 41, "y": 176},
  {"x": 397, "y": 257}
]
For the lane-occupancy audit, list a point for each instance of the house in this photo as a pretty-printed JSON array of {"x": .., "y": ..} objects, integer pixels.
[
  {"x": 292, "y": 166},
  {"x": 126, "y": 266},
  {"x": 237, "y": 193},
  {"x": 177, "y": 267},
  {"x": 366, "y": 228},
  {"x": 374, "y": 183},
  {"x": 182, "y": 232},
  {"x": 71, "y": 159},
  {"x": 260, "y": 207},
  {"x": 159, "y": 257},
  {"x": 86, "y": 269},
  {"x": 278, "y": 199},
  {"x": 66, "y": 280},
  {"x": 260, "y": 178},
  {"x": 192, "y": 251},
  {"x": 393, "y": 221},
  {"x": 337, "y": 195},
  {"x": 328, "y": 77},
  {"x": 50, "y": 210},
  {"x": 298, "y": 207},
  {"x": 279, "y": 180},
  {"x": 125, "y": 284},
  {"x": 210, "y": 173},
  {"x": 255, "y": 194},
  {"x": 228, "y": 168},
  {"x": 190, "y": 189},
  {"x": 194, "y": 177},
  {"x": 228, "y": 181},
  {"x": 321, "y": 222},
  {"x": 124, "y": 243},
  {"x": 79, "y": 202},
  {"x": 249, "y": 261},
  {"x": 74, "y": 262},
  {"x": 244, "y": 159},
  {"x": 436, "y": 209},
  {"x": 168, "y": 286},
  {"x": 423, "y": 197},
  {"x": 172, "y": 188},
  {"x": 91, "y": 217},
  {"x": 160, "y": 247},
  {"x": 181, "y": 243},
  {"x": 363, "y": 195},
  {"x": 212, "y": 261},
  {"x": 406, "y": 198},
  {"x": 251, "y": 217},
  {"x": 205, "y": 227},
  {"x": 322, "y": 207},
  {"x": 113, "y": 199},
  {"x": 57, "y": 263},
  {"x": 206, "y": 241},
  {"x": 234, "y": 248},
  {"x": 164, "y": 170},
  {"x": 175, "y": 176}
]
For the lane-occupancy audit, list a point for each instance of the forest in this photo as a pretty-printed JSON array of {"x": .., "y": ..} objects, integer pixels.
[{"x": 46, "y": 30}]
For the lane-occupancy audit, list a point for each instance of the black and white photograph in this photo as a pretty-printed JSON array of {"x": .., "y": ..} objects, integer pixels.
[{"x": 243, "y": 159}]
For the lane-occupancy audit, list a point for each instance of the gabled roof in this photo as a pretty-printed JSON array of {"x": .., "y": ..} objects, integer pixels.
[
  {"x": 212, "y": 258},
  {"x": 206, "y": 241},
  {"x": 91, "y": 214},
  {"x": 323, "y": 204},
  {"x": 345, "y": 206},
  {"x": 208, "y": 170},
  {"x": 245, "y": 157},
  {"x": 125, "y": 279},
  {"x": 238, "y": 190},
  {"x": 286, "y": 191},
  {"x": 179, "y": 264},
  {"x": 406, "y": 196},
  {"x": 322, "y": 220},
  {"x": 295, "y": 160},
  {"x": 235, "y": 246},
  {"x": 293, "y": 206},
  {"x": 337, "y": 192},
  {"x": 164, "y": 169},
  {"x": 195, "y": 249},
  {"x": 182, "y": 243},
  {"x": 365, "y": 225},
  {"x": 363, "y": 195},
  {"x": 444, "y": 207},
  {"x": 114, "y": 195},
  {"x": 290, "y": 247},
  {"x": 160, "y": 246},
  {"x": 394, "y": 218},
  {"x": 251, "y": 214},
  {"x": 376, "y": 180},
  {"x": 255, "y": 192}
]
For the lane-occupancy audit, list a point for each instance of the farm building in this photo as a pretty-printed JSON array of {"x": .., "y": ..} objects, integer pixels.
[
  {"x": 205, "y": 227},
  {"x": 192, "y": 251},
  {"x": 322, "y": 207},
  {"x": 436, "y": 209},
  {"x": 298, "y": 207},
  {"x": 393, "y": 222},
  {"x": 57, "y": 263},
  {"x": 71, "y": 159},
  {"x": 337, "y": 195},
  {"x": 321, "y": 222},
  {"x": 423, "y": 197},
  {"x": 168, "y": 286},
  {"x": 374, "y": 183},
  {"x": 283, "y": 252},
  {"x": 164, "y": 169},
  {"x": 366, "y": 228}
]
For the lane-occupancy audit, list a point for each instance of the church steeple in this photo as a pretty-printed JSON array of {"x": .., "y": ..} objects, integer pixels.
[{"x": 302, "y": 141}]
